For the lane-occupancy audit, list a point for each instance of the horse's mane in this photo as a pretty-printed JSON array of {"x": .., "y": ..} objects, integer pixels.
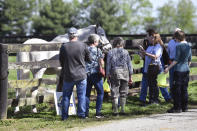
[{"x": 82, "y": 35}]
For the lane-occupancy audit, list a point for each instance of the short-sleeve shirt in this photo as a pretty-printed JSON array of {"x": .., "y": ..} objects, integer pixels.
[
  {"x": 155, "y": 50},
  {"x": 183, "y": 56},
  {"x": 95, "y": 54},
  {"x": 172, "y": 48},
  {"x": 73, "y": 56}
]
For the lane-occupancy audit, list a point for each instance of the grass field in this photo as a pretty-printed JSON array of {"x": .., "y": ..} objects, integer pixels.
[{"x": 46, "y": 119}]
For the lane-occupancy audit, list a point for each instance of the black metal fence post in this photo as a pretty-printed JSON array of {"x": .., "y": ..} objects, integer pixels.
[{"x": 3, "y": 81}]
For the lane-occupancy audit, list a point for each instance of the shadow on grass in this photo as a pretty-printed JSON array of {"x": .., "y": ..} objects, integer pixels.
[{"x": 45, "y": 110}]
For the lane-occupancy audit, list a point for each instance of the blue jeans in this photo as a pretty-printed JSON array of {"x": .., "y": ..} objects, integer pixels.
[
  {"x": 144, "y": 88},
  {"x": 96, "y": 80},
  {"x": 143, "y": 92},
  {"x": 67, "y": 91}
]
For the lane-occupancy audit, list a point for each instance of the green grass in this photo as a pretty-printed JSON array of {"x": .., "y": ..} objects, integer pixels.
[{"x": 46, "y": 119}]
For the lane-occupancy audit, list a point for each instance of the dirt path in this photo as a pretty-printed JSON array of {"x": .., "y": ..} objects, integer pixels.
[{"x": 185, "y": 121}]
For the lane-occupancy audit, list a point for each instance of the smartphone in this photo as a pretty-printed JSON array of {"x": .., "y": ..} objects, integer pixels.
[{"x": 141, "y": 48}]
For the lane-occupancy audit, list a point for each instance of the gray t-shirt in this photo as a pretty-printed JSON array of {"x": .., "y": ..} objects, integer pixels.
[{"x": 73, "y": 56}]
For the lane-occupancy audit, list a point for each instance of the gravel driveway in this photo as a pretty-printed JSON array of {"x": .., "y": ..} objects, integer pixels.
[{"x": 185, "y": 121}]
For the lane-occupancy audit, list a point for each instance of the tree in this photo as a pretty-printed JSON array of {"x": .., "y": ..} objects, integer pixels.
[
  {"x": 116, "y": 16},
  {"x": 167, "y": 18},
  {"x": 15, "y": 16},
  {"x": 54, "y": 18},
  {"x": 106, "y": 13},
  {"x": 138, "y": 14},
  {"x": 180, "y": 15},
  {"x": 185, "y": 16}
]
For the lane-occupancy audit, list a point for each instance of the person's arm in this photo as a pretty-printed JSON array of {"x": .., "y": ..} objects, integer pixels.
[
  {"x": 130, "y": 68},
  {"x": 108, "y": 65},
  {"x": 190, "y": 57},
  {"x": 157, "y": 53},
  {"x": 148, "y": 54},
  {"x": 151, "y": 55},
  {"x": 177, "y": 57},
  {"x": 170, "y": 66},
  {"x": 101, "y": 58},
  {"x": 88, "y": 58},
  {"x": 61, "y": 56}
]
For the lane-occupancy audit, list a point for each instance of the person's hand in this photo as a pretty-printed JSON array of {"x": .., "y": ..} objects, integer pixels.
[
  {"x": 130, "y": 81},
  {"x": 142, "y": 51},
  {"x": 141, "y": 48},
  {"x": 166, "y": 70},
  {"x": 108, "y": 79}
]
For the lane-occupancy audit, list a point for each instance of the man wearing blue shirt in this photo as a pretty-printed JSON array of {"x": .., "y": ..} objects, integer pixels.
[
  {"x": 172, "y": 52},
  {"x": 181, "y": 75}
]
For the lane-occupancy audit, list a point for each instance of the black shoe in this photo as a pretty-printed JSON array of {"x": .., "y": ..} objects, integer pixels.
[
  {"x": 185, "y": 110},
  {"x": 150, "y": 102},
  {"x": 143, "y": 103},
  {"x": 122, "y": 113},
  {"x": 172, "y": 110},
  {"x": 99, "y": 115},
  {"x": 169, "y": 100},
  {"x": 115, "y": 114}
]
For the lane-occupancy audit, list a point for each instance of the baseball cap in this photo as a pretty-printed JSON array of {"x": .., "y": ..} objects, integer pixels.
[
  {"x": 72, "y": 31},
  {"x": 177, "y": 29}
]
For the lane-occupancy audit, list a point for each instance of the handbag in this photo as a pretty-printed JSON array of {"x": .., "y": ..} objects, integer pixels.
[{"x": 101, "y": 71}]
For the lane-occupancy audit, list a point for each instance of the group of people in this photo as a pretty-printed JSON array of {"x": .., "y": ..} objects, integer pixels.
[
  {"x": 179, "y": 52},
  {"x": 81, "y": 65}
]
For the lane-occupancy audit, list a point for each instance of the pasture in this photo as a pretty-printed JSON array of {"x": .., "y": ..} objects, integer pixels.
[{"x": 46, "y": 118}]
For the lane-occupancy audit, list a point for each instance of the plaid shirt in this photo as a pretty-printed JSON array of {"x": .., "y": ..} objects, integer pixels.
[
  {"x": 95, "y": 54},
  {"x": 118, "y": 58}
]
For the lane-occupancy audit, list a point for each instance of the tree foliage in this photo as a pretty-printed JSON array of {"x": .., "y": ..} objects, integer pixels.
[
  {"x": 46, "y": 17},
  {"x": 106, "y": 13},
  {"x": 137, "y": 13},
  {"x": 15, "y": 16},
  {"x": 54, "y": 17},
  {"x": 180, "y": 15},
  {"x": 125, "y": 16}
]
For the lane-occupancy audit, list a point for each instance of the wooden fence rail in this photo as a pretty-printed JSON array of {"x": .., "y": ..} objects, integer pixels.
[{"x": 5, "y": 49}]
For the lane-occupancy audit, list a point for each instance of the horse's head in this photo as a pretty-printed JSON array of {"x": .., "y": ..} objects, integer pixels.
[{"x": 104, "y": 42}]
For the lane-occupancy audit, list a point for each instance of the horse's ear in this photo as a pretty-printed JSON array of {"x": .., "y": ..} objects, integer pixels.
[{"x": 97, "y": 25}]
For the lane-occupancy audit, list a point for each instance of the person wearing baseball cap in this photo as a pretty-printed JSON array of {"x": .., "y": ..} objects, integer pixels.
[{"x": 73, "y": 56}]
